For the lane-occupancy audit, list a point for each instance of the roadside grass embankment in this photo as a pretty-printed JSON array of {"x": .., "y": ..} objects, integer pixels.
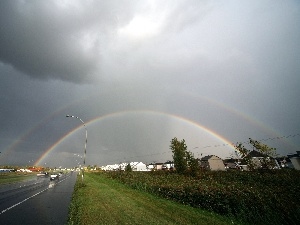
[{"x": 102, "y": 200}]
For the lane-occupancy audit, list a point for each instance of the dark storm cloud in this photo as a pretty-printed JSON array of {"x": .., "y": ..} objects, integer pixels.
[{"x": 43, "y": 39}]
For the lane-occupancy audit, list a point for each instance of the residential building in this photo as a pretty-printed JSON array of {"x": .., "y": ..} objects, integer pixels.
[
  {"x": 258, "y": 160},
  {"x": 295, "y": 159},
  {"x": 212, "y": 162}
]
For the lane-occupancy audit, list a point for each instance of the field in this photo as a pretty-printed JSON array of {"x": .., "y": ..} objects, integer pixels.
[
  {"x": 102, "y": 200},
  {"x": 261, "y": 197},
  {"x": 12, "y": 177}
]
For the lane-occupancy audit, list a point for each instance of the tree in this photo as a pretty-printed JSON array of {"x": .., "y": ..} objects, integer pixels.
[
  {"x": 267, "y": 154},
  {"x": 244, "y": 153},
  {"x": 179, "y": 149},
  {"x": 128, "y": 168},
  {"x": 193, "y": 164},
  {"x": 184, "y": 160}
]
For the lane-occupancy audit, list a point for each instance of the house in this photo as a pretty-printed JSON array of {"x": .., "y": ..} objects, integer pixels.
[
  {"x": 122, "y": 166},
  {"x": 284, "y": 162},
  {"x": 138, "y": 166},
  {"x": 159, "y": 166},
  {"x": 231, "y": 164},
  {"x": 24, "y": 171},
  {"x": 258, "y": 160},
  {"x": 295, "y": 159},
  {"x": 110, "y": 167},
  {"x": 169, "y": 165},
  {"x": 156, "y": 166},
  {"x": 150, "y": 166},
  {"x": 212, "y": 162}
]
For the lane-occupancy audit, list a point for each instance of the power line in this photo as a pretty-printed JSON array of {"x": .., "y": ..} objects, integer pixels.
[
  {"x": 220, "y": 145},
  {"x": 274, "y": 138}
]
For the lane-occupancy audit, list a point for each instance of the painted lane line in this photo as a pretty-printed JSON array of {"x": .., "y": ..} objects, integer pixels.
[{"x": 5, "y": 210}]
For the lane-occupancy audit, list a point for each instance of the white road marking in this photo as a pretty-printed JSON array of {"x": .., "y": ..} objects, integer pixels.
[{"x": 5, "y": 210}]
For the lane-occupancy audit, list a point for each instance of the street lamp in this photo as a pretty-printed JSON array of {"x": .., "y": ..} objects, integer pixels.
[{"x": 85, "y": 140}]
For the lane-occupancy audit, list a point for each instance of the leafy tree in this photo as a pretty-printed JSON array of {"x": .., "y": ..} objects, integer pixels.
[
  {"x": 128, "y": 168},
  {"x": 244, "y": 154},
  {"x": 184, "y": 160},
  {"x": 193, "y": 164},
  {"x": 179, "y": 149},
  {"x": 267, "y": 153},
  {"x": 267, "y": 161}
]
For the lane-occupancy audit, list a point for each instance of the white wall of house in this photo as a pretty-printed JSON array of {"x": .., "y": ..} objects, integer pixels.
[
  {"x": 150, "y": 167},
  {"x": 110, "y": 167},
  {"x": 216, "y": 163},
  {"x": 296, "y": 162},
  {"x": 212, "y": 163},
  {"x": 159, "y": 166},
  {"x": 138, "y": 166},
  {"x": 169, "y": 165}
]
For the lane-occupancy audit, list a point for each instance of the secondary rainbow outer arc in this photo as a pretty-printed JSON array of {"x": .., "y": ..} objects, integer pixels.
[
  {"x": 236, "y": 112},
  {"x": 121, "y": 113},
  {"x": 36, "y": 127},
  {"x": 252, "y": 120},
  {"x": 243, "y": 115},
  {"x": 232, "y": 110},
  {"x": 24, "y": 135}
]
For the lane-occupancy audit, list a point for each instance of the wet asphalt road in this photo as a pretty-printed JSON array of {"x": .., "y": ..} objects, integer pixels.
[{"x": 37, "y": 201}]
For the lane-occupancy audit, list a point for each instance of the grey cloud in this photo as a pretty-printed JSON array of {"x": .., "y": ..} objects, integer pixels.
[{"x": 44, "y": 40}]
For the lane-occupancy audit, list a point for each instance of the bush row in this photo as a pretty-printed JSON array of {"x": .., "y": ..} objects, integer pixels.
[{"x": 261, "y": 197}]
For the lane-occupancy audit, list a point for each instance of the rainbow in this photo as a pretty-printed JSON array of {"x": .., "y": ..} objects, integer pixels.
[
  {"x": 240, "y": 114},
  {"x": 123, "y": 113},
  {"x": 234, "y": 111},
  {"x": 36, "y": 127},
  {"x": 188, "y": 94}
]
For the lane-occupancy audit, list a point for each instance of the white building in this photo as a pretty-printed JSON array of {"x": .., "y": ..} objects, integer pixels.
[
  {"x": 135, "y": 166},
  {"x": 295, "y": 159},
  {"x": 212, "y": 162}
]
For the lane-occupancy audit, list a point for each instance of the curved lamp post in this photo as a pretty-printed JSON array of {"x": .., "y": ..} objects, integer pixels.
[{"x": 85, "y": 140}]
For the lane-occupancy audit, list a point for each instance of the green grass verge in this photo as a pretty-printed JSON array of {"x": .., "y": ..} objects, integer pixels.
[
  {"x": 13, "y": 177},
  {"x": 105, "y": 201}
]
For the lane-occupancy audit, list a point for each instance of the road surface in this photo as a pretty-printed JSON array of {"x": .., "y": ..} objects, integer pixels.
[{"x": 37, "y": 201}]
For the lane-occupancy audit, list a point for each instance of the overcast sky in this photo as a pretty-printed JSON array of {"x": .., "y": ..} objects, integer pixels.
[{"x": 210, "y": 72}]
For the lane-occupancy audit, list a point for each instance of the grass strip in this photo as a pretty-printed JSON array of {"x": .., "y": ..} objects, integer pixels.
[
  {"x": 105, "y": 201},
  {"x": 6, "y": 178}
]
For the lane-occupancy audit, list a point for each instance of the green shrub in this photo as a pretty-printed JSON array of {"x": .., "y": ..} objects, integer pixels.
[{"x": 253, "y": 197}]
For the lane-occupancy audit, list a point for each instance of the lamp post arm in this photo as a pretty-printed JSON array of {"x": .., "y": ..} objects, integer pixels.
[
  {"x": 85, "y": 145},
  {"x": 85, "y": 138}
]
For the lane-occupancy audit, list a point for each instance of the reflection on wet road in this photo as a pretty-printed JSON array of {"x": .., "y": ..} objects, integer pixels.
[{"x": 37, "y": 201}]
